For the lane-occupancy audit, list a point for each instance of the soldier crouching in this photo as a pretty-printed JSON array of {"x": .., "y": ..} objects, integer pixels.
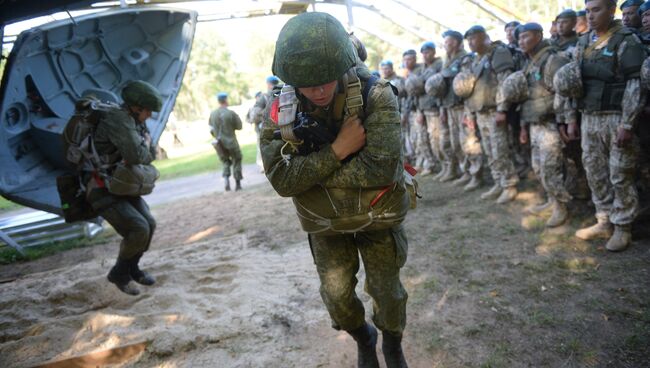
[{"x": 331, "y": 141}]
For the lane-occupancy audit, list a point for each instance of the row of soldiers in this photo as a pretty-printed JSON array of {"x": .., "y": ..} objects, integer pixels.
[{"x": 569, "y": 106}]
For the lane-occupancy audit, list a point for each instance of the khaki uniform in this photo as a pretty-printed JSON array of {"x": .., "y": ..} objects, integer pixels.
[
  {"x": 223, "y": 124},
  {"x": 610, "y": 168},
  {"x": 320, "y": 177},
  {"x": 428, "y": 137},
  {"x": 491, "y": 70}
]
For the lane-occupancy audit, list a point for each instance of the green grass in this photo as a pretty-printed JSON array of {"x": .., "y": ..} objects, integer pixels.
[
  {"x": 199, "y": 163},
  {"x": 10, "y": 255},
  {"x": 7, "y": 205}
]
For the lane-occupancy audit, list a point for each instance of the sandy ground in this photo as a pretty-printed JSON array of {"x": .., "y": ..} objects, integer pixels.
[{"x": 237, "y": 288}]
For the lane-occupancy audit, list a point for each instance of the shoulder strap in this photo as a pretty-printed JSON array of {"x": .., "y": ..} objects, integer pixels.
[{"x": 540, "y": 54}]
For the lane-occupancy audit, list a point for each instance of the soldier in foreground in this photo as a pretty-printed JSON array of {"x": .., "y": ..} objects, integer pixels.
[
  {"x": 223, "y": 124},
  {"x": 122, "y": 136},
  {"x": 611, "y": 57},
  {"x": 538, "y": 123},
  {"x": 348, "y": 186},
  {"x": 491, "y": 66}
]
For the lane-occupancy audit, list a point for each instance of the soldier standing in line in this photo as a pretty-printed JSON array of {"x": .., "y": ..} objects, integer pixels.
[
  {"x": 223, "y": 124},
  {"x": 582, "y": 26},
  {"x": 426, "y": 128},
  {"x": 644, "y": 14},
  {"x": 630, "y": 15},
  {"x": 608, "y": 70},
  {"x": 388, "y": 73},
  {"x": 491, "y": 66},
  {"x": 567, "y": 36},
  {"x": 408, "y": 109},
  {"x": 533, "y": 89},
  {"x": 350, "y": 194}
]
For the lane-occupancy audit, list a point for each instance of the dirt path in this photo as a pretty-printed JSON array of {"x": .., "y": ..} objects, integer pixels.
[{"x": 237, "y": 288}]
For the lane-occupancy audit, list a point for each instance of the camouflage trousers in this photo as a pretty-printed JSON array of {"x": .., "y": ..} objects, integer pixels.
[
  {"x": 407, "y": 144},
  {"x": 438, "y": 136},
  {"x": 231, "y": 158},
  {"x": 494, "y": 140},
  {"x": 610, "y": 168},
  {"x": 420, "y": 138},
  {"x": 547, "y": 159},
  {"x": 383, "y": 254},
  {"x": 465, "y": 145}
]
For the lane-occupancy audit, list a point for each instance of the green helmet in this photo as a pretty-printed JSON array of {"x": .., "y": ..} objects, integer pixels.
[
  {"x": 436, "y": 86},
  {"x": 514, "y": 89},
  {"x": 143, "y": 94},
  {"x": 313, "y": 49},
  {"x": 568, "y": 81}
]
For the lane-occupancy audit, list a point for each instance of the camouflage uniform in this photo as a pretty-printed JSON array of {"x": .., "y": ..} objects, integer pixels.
[
  {"x": 494, "y": 138},
  {"x": 611, "y": 101},
  {"x": 403, "y": 103},
  {"x": 223, "y": 123},
  {"x": 319, "y": 177}
]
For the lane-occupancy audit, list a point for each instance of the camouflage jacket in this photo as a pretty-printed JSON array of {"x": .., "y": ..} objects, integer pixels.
[
  {"x": 565, "y": 47},
  {"x": 491, "y": 69},
  {"x": 451, "y": 68},
  {"x": 120, "y": 137},
  {"x": 398, "y": 82},
  {"x": 223, "y": 123},
  {"x": 424, "y": 101},
  {"x": 378, "y": 164}
]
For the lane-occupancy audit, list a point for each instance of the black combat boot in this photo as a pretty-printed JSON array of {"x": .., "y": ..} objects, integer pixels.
[
  {"x": 392, "y": 348},
  {"x": 139, "y": 276},
  {"x": 119, "y": 275},
  {"x": 366, "y": 338},
  {"x": 237, "y": 184},
  {"x": 227, "y": 180}
]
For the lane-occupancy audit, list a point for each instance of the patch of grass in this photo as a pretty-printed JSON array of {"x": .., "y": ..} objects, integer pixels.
[
  {"x": 542, "y": 319},
  {"x": 199, "y": 163},
  {"x": 7, "y": 205},
  {"x": 499, "y": 357},
  {"x": 10, "y": 255}
]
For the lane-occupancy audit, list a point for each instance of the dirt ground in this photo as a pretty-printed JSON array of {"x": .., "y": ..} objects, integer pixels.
[{"x": 488, "y": 287}]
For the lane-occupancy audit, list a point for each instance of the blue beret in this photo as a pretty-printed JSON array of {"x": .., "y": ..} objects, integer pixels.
[
  {"x": 514, "y": 23},
  {"x": 608, "y": 3},
  {"x": 455, "y": 34},
  {"x": 272, "y": 79},
  {"x": 474, "y": 30},
  {"x": 222, "y": 96},
  {"x": 644, "y": 8},
  {"x": 386, "y": 63},
  {"x": 628, "y": 3},
  {"x": 581, "y": 13},
  {"x": 530, "y": 27},
  {"x": 410, "y": 52},
  {"x": 428, "y": 45},
  {"x": 567, "y": 13}
]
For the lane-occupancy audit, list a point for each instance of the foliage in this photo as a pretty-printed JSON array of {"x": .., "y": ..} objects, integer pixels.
[{"x": 199, "y": 163}]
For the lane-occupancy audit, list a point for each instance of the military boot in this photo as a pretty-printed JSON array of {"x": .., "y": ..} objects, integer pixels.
[
  {"x": 621, "y": 239},
  {"x": 451, "y": 174},
  {"x": 120, "y": 276},
  {"x": 473, "y": 184},
  {"x": 602, "y": 229},
  {"x": 139, "y": 276},
  {"x": 392, "y": 348},
  {"x": 541, "y": 208},
  {"x": 559, "y": 216},
  {"x": 507, "y": 195},
  {"x": 237, "y": 185},
  {"x": 493, "y": 193},
  {"x": 366, "y": 338},
  {"x": 463, "y": 180},
  {"x": 227, "y": 186}
]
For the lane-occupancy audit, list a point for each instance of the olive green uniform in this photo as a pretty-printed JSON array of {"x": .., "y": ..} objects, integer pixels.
[
  {"x": 320, "y": 176},
  {"x": 223, "y": 124},
  {"x": 612, "y": 98},
  {"x": 120, "y": 138}
]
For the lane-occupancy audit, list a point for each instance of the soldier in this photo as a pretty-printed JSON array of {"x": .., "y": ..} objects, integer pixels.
[
  {"x": 567, "y": 36},
  {"x": 491, "y": 66},
  {"x": 582, "y": 26},
  {"x": 408, "y": 108},
  {"x": 644, "y": 13},
  {"x": 553, "y": 31},
  {"x": 465, "y": 147},
  {"x": 122, "y": 135},
  {"x": 538, "y": 116},
  {"x": 350, "y": 193},
  {"x": 609, "y": 61},
  {"x": 630, "y": 15},
  {"x": 223, "y": 123},
  {"x": 428, "y": 145},
  {"x": 509, "y": 28},
  {"x": 388, "y": 73}
]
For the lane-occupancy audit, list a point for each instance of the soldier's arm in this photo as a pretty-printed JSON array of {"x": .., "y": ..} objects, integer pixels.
[
  {"x": 503, "y": 105},
  {"x": 503, "y": 65},
  {"x": 124, "y": 135},
  {"x": 378, "y": 163},
  {"x": 300, "y": 172},
  {"x": 631, "y": 55},
  {"x": 237, "y": 121}
]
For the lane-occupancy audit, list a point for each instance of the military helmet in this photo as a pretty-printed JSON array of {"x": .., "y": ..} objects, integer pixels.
[
  {"x": 436, "y": 86},
  {"x": 464, "y": 84},
  {"x": 143, "y": 94},
  {"x": 645, "y": 74},
  {"x": 414, "y": 85},
  {"x": 313, "y": 49},
  {"x": 514, "y": 89},
  {"x": 568, "y": 81}
]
